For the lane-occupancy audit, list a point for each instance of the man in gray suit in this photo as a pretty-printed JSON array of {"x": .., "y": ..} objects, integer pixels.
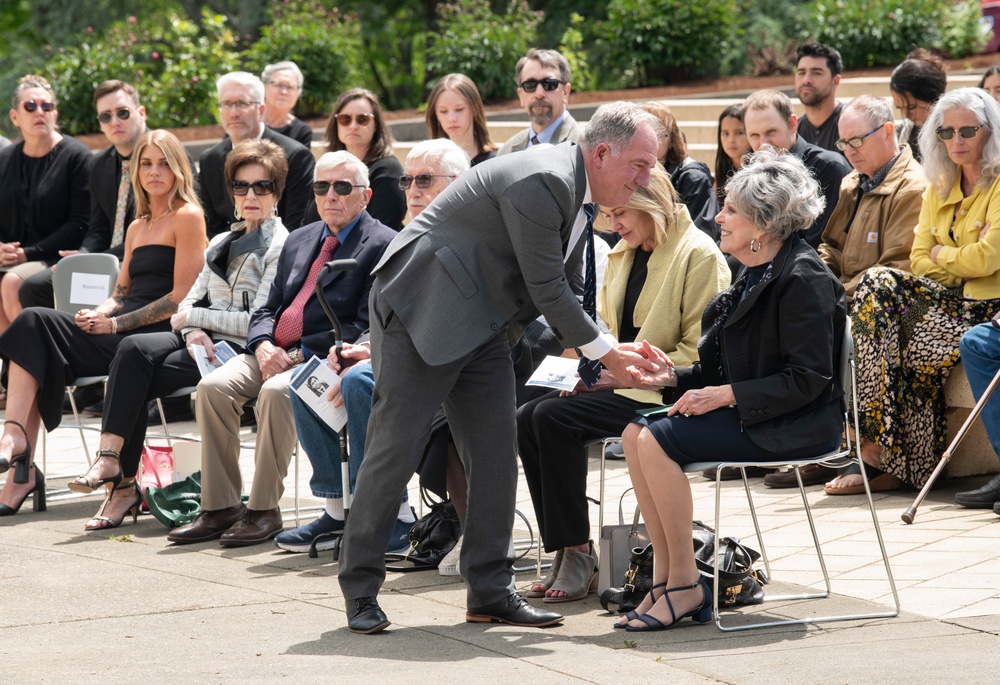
[
  {"x": 451, "y": 294},
  {"x": 543, "y": 87}
]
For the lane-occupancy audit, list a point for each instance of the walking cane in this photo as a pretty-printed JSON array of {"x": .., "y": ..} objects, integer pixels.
[
  {"x": 910, "y": 513},
  {"x": 338, "y": 343}
]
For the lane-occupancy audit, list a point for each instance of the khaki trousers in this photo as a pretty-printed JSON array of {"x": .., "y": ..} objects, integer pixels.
[{"x": 221, "y": 396}]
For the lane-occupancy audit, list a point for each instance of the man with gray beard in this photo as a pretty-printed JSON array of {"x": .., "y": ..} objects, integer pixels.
[{"x": 543, "y": 85}]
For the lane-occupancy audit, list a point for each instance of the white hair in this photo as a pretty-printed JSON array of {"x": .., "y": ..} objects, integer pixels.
[
  {"x": 242, "y": 78},
  {"x": 271, "y": 69},
  {"x": 334, "y": 159},
  {"x": 615, "y": 124},
  {"x": 440, "y": 153},
  {"x": 938, "y": 167}
]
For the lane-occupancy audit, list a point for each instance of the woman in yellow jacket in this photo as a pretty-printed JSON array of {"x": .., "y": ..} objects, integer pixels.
[
  {"x": 907, "y": 326},
  {"x": 657, "y": 283}
]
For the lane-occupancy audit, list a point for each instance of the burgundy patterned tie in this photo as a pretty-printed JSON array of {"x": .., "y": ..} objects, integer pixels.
[{"x": 289, "y": 328}]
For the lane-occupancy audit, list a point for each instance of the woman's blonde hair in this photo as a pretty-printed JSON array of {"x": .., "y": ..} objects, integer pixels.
[
  {"x": 177, "y": 161},
  {"x": 659, "y": 201}
]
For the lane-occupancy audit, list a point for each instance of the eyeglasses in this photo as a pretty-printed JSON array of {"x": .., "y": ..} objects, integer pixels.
[
  {"x": 261, "y": 187},
  {"x": 122, "y": 113},
  {"x": 344, "y": 188},
  {"x": 422, "y": 180},
  {"x": 964, "y": 131},
  {"x": 548, "y": 84},
  {"x": 237, "y": 104},
  {"x": 283, "y": 86},
  {"x": 857, "y": 141},
  {"x": 31, "y": 106},
  {"x": 362, "y": 119}
]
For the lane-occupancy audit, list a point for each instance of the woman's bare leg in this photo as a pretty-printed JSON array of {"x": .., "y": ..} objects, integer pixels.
[{"x": 22, "y": 408}]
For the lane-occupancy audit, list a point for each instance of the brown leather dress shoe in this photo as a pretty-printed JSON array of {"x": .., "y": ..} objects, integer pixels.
[
  {"x": 812, "y": 474},
  {"x": 256, "y": 526},
  {"x": 208, "y": 525}
]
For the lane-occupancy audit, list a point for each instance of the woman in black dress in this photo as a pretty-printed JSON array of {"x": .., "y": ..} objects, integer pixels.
[
  {"x": 43, "y": 348},
  {"x": 282, "y": 88},
  {"x": 455, "y": 111}
]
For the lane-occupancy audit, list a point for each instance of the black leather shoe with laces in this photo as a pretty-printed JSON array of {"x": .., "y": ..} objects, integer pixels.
[
  {"x": 365, "y": 616},
  {"x": 513, "y": 610}
]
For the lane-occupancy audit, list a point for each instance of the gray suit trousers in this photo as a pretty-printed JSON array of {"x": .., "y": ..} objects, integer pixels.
[{"x": 477, "y": 392}]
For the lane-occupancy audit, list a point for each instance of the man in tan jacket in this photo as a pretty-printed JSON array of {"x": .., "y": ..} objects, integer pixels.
[{"x": 873, "y": 222}]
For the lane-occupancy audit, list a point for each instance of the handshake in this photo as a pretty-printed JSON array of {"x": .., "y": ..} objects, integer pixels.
[{"x": 636, "y": 365}]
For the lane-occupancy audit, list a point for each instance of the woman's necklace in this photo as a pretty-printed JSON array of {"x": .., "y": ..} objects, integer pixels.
[{"x": 149, "y": 222}]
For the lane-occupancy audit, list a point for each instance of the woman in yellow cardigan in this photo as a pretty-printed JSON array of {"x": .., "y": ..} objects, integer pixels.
[
  {"x": 657, "y": 283},
  {"x": 907, "y": 326}
]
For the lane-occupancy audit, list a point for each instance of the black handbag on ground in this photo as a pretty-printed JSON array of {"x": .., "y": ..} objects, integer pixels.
[
  {"x": 431, "y": 538},
  {"x": 638, "y": 581}
]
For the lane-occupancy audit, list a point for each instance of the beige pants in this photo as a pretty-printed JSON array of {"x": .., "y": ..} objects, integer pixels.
[{"x": 221, "y": 396}]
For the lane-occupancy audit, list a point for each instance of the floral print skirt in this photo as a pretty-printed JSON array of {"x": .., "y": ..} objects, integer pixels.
[{"x": 906, "y": 331}]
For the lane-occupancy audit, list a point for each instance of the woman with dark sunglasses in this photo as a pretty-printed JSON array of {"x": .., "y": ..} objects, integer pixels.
[
  {"x": 357, "y": 126},
  {"x": 907, "y": 326},
  {"x": 238, "y": 270},
  {"x": 44, "y": 192}
]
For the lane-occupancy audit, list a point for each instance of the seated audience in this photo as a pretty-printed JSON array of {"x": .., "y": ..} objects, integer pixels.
[
  {"x": 907, "y": 326},
  {"x": 234, "y": 281},
  {"x": 817, "y": 74},
  {"x": 288, "y": 328},
  {"x": 282, "y": 88},
  {"x": 690, "y": 178},
  {"x": 44, "y": 192},
  {"x": 769, "y": 120},
  {"x": 241, "y": 113},
  {"x": 455, "y": 111},
  {"x": 771, "y": 340},
  {"x": 660, "y": 277},
  {"x": 43, "y": 348},
  {"x": 543, "y": 86},
  {"x": 357, "y": 125},
  {"x": 916, "y": 84},
  {"x": 731, "y": 145},
  {"x": 980, "y": 351},
  {"x": 991, "y": 82}
]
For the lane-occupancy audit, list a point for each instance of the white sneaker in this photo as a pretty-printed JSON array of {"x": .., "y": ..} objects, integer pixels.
[{"x": 449, "y": 565}]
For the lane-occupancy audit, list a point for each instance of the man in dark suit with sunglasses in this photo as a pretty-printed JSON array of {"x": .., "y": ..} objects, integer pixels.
[
  {"x": 241, "y": 113},
  {"x": 543, "y": 85}
]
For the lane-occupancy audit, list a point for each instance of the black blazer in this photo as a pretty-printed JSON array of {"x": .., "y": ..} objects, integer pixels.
[
  {"x": 828, "y": 168},
  {"x": 779, "y": 349},
  {"x": 219, "y": 206},
  {"x": 346, "y": 291}
]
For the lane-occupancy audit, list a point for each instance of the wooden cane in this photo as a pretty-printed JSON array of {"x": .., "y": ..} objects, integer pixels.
[{"x": 910, "y": 513}]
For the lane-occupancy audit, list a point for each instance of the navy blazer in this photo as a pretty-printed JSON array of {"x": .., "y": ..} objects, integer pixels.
[{"x": 345, "y": 291}]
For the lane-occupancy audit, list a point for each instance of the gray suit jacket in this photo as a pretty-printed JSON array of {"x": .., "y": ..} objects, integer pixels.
[
  {"x": 570, "y": 129},
  {"x": 488, "y": 253}
]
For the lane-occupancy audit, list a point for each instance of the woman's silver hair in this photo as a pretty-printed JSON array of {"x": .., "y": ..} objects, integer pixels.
[
  {"x": 615, "y": 124},
  {"x": 442, "y": 154},
  {"x": 776, "y": 192},
  {"x": 940, "y": 170},
  {"x": 271, "y": 69},
  {"x": 334, "y": 159}
]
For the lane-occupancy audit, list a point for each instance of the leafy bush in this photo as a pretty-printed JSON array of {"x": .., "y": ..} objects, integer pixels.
[
  {"x": 485, "y": 47},
  {"x": 173, "y": 64},
  {"x": 874, "y": 32},
  {"x": 324, "y": 43},
  {"x": 572, "y": 48},
  {"x": 659, "y": 41}
]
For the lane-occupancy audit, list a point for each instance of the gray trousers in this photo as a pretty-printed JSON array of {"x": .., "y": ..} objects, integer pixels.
[{"x": 477, "y": 392}]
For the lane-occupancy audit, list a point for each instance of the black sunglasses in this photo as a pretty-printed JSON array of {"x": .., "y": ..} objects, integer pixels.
[
  {"x": 344, "y": 188},
  {"x": 548, "y": 84},
  {"x": 31, "y": 106},
  {"x": 345, "y": 119},
  {"x": 964, "y": 131},
  {"x": 422, "y": 180},
  {"x": 123, "y": 113},
  {"x": 261, "y": 187}
]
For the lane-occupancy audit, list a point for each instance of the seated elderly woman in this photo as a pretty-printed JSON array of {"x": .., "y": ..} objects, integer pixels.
[
  {"x": 44, "y": 192},
  {"x": 282, "y": 87},
  {"x": 765, "y": 386},
  {"x": 234, "y": 281},
  {"x": 44, "y": 347},
  {"x": 430, "y": 167},
  {"x": 659, "y": 279},
  {"x": 907, "y": 326}
]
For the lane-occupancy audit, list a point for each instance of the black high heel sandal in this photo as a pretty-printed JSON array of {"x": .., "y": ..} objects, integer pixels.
[
  {"x": 633, "y": 615},
  {"x": 699, "y": 614},
  {"x": 20, "y": 462},
  {"x": 102, "y": 522},
  {"x": 38, "y": 501},
  {"x": 84, "y": 485}
]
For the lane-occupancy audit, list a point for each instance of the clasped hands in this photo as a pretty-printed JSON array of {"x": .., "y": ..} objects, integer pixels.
[{"x": 93, "y": 322}]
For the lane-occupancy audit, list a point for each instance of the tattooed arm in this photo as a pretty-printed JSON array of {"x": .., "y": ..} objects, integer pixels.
[{"x": 98, "y": 321}]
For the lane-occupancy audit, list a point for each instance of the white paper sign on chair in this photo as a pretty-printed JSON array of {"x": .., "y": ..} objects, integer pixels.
[{"x": 89, "y": 289}]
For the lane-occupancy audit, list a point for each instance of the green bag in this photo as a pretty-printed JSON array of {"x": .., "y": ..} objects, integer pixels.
[{"x": 176, "y": 504}]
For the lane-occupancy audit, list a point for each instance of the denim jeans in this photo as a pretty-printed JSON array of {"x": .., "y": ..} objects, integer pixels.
[
  {"x": 322, "y": 443},
  {"x": 980, "y": 350}
]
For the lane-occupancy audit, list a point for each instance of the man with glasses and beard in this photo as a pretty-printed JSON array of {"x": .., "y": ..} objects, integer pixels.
[
  {"x": 241, "y": 113},
  {"x": 543, "y": 85},
  {"x": 288, "y": 329}
]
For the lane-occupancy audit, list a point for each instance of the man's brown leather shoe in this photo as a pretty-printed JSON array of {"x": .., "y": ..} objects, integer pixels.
[
  {"x": 255, "y": 527},
  {"x": 208, "y": 525}
]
